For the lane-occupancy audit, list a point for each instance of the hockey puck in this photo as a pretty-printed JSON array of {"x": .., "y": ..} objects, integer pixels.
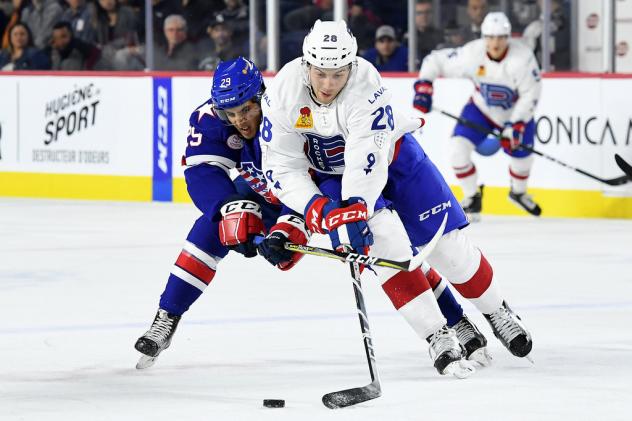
[{"x": 273, "y": 403}]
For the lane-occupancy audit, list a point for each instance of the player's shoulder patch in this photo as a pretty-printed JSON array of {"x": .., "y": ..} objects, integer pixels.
[
  {"x": 305, "y": 119},
  {"x": 235, "y": 142}
]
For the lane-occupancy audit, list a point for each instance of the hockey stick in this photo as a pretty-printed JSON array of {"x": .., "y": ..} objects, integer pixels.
[
  {"x": 373, "y": 390},
  {"x": 610, "y": 181},
  {"x": 625, "y": 167},
  {"x": 407, "y": 265}
]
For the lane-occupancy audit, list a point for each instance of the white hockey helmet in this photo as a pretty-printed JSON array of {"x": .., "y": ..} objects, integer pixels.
[
  {"x": 496, "y": 24},
  {"x": 330, "y": 45}
]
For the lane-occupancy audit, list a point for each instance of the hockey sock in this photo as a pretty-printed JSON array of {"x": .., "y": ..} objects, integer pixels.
[{"x": 448, "y": 305}]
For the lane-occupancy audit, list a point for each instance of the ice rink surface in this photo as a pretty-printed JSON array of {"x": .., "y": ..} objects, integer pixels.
[{"x": 80, "y": 281}]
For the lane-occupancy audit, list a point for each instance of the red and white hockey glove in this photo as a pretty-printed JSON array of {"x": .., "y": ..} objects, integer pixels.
[
  {"x": 289, "y": 228},
  {"x": 511, "y": 137},
  {"x": 423, "y": 95},
  {"x": 344, "y": 221},
  {"x": 241, "y": 222}
]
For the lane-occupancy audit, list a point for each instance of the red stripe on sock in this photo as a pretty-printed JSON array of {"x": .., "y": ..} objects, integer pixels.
[
  {"x": 195, "y": 267},
  {"x": 405, "y": 286},
  {"x": 478, "y": 283},
  {"x": 466, "y": 173},
  {"x": 433, "y": 278},
  {"x": 518, "y": 176}
]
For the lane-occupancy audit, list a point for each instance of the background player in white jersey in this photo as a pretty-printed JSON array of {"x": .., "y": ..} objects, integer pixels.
[
  {"x": 507, "y": 81},
  {"x": 327, "y": 137}
]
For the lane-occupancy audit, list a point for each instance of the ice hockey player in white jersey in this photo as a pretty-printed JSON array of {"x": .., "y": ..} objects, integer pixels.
[
  {"x": 327, "y": 138},
  {"x": 507, "y": 88}
]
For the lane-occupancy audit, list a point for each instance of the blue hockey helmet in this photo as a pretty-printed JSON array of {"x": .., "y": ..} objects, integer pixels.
[{"x": 235, "y": 82}]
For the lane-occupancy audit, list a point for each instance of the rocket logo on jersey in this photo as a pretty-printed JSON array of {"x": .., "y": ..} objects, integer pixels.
[
  {"x": 498, "y": 95},
  {"x": 257, "y": 182},
  {"x": 325, "y": 153},
  {"x": 305, "y": 120}
]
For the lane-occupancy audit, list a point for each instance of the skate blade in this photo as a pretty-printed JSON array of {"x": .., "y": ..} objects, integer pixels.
[
  {"x": 530, "y": 358},
  {"x": 473, "y": 217},
  {"x": 460, "y": 369},
  {"x": 145, "y": 362},
  {"x": 481, "y": 356}
]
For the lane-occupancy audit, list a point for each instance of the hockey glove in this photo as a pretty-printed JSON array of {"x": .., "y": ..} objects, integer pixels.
[
  {"x": 423, "y": 96},
  {"x": 511, "y": 137},
  {"x": 345, "y": 222},
  {"x": 241, "y": 222},
  {"x": 289, "y": 228}
]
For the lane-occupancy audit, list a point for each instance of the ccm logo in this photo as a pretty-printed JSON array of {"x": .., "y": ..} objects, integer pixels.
[
  {"x": 349, "y": 216},
  {"x": 163, "y": 128},
  {"x": 435, "y": 210},
  {"x": 244, "y": 206},
  {"x": 365, "y": 260}
]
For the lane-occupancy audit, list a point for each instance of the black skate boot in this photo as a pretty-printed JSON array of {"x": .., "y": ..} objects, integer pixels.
[
  {"x": 525, "y": 201},
  {"x": 473, "y": 205},
  {"x": 510, "y": 330},
  {"x": 447, "y": 353},
  {"x": 473, "y": 341},
  {"x": 157, "y": 338}
]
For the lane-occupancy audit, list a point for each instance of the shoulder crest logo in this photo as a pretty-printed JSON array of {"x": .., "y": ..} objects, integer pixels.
[
  {"x": 235, "y": 142},
  {"x": 305, "y": 119}
]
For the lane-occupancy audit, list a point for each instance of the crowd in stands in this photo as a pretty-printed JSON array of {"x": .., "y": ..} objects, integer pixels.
[{"x": 198, "y": 34}]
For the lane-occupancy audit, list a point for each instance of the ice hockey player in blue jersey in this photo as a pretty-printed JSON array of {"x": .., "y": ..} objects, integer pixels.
[{"x": 221, "y": 137}]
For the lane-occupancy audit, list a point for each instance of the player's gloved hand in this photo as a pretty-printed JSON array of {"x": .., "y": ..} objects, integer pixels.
[
  {"x": 344, "y": 221},
  {"x": 241, "y": 222},
  {"x": 511, "y": 137},
  {"x": 423, "y": 95},
  {"x": 289, "y": 228}
]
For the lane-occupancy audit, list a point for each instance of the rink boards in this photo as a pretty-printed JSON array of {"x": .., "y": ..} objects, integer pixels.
[{"x": 121, "y": 137}]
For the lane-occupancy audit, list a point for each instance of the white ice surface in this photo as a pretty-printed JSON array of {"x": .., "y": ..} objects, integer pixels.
[{"x": 80, "y": 281}]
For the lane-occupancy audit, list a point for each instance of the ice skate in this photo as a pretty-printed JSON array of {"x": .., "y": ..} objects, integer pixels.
[
  {"x": 473, "y": 205},
  {"x": 447, "y": 354},
  {"x": 473, "y": 341},
  {"x": 525, "y": 201},
  {"x": 510, "y": 330},
  {"x": 156, "y": 339}
]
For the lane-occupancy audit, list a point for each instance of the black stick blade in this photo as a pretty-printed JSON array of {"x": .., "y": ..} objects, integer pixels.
[
  {"x": 625, "y": 167},
  {"x": 348, "y": 397}
]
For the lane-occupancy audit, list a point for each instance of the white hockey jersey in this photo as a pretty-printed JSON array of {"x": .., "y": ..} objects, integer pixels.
[
  {"x": 353, "y": 136},
  {"x": 507, "y": 91}
]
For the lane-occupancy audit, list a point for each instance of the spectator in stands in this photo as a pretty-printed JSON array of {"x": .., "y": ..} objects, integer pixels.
[
  {"x": 559, "y": 42},
  {"x": 14, "y": 17},
  {"x": 476, "y": 11},
  {"x": 223, "y": 47},
  {"x": 179, "y": 53},
  {"x": 303, "y": 18},
  {"x": 40, "y": 16},
  {"x": 69, "y": 53},
  {"x": 81, "y": 19},
  {"x": 427, "y": 35},
  {"x": 115, "y": 30},
  {"x": 236, "y": 15},
  {"x": 161, "y": 9},
  {"x": 387, "y": 55},
  {"x": 21, "y": 53}
]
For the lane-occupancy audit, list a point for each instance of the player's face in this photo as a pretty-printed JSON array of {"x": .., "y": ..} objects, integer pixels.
[
  {"x": 496, "y": 46},
  {"x": 327, "y": 83},
  {"x": 246, "y": 118}
]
